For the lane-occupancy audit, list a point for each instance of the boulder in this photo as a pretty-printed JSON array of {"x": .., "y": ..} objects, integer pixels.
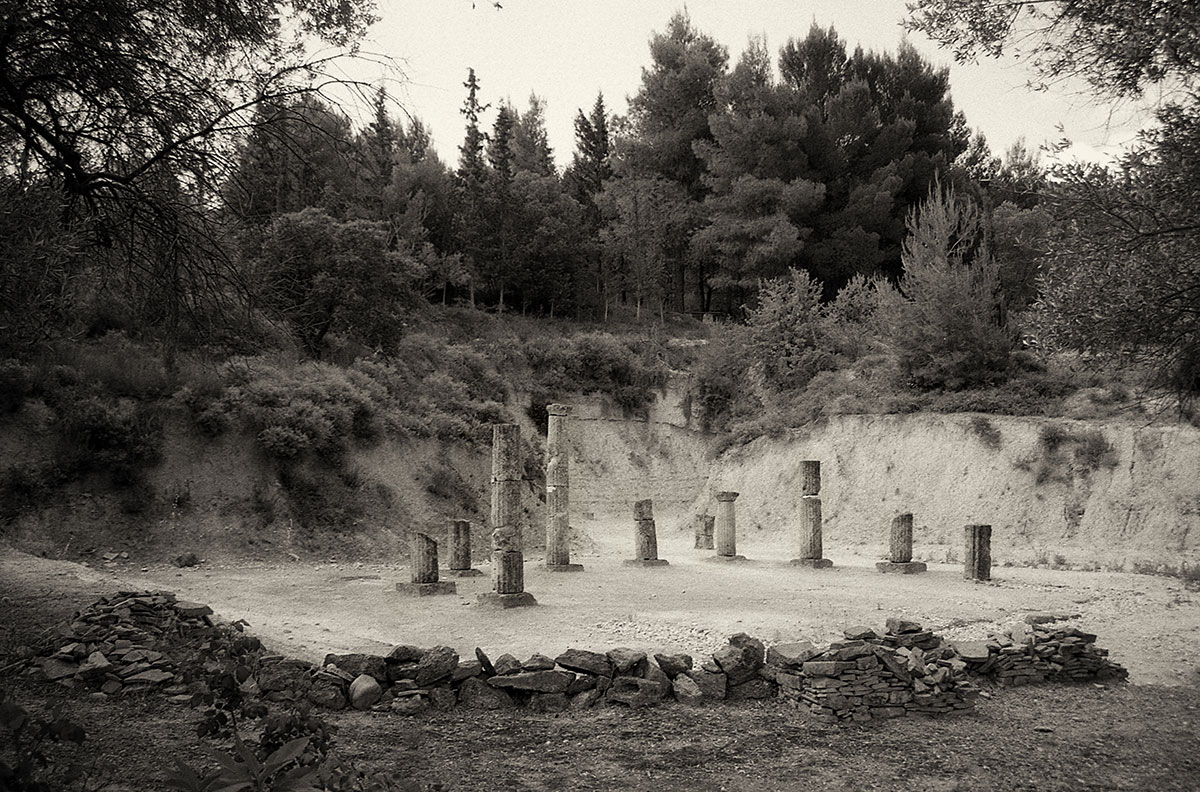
[
  {"x": 327, "y": 695},
  {"x": 627, "y": 662},
  {"x": 860, "y": 633},
  {"x": 487, "y": 669},
  {"x": 478, "y": 694},
  {"x": 507, "y": 664},
  {"x": 655, "y": 674},
  {"x": 536, "y": 681},
  {"x": 538, "y": 662},
  {"x": 405, "y": 654},
  {"x": 581, "y": 683},
  {"x": 358, "y": 664},
  {"x": 466, "y": 669},
  {"x": 687, "y": 691},
  {"x": 635, "y": 691},
  {"x": 437, "y": 664},
  {"x": 585, "y": 662},
  {"x": 711, "y": 685},
  {"x": 673, "y": 665},
  {"x": 586, "y": 699},
  {"x": 898, "y": 626},
  {"x": 741, "y": 659},
  {"x": 364, "y": 692}
]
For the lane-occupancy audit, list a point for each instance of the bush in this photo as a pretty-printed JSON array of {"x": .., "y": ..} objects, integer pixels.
[{"x": 986, "y": 431}]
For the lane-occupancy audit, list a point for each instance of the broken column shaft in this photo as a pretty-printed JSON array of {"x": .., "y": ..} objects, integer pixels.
[
  {"x": 558, "y": 525},
  {"x": 423, "y": 558},
  {"x": 900, "y": 540},
  {"x": 810, "y": 550},
  {"x": 645, "y": 536},
  {"x": 704, "y": 525},
  {"x": 460, "y": 549},
  {"x": 977, "y": 552}
]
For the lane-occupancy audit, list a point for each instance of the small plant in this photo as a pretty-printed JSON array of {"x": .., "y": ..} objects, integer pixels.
[
  {"x": 1093, "y": 451},
  {"x": 33, "y": 768},
  {"x": 242, "y": 771}
]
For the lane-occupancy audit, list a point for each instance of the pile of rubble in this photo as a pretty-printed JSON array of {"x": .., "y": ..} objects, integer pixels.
[
  {"x": 116, "y": 644},
  {"x": 906, "y": 670},
  {"x": 1036, "y": 652}
]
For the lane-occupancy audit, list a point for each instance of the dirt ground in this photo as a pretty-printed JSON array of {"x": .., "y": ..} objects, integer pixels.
[
  {"x": 1049, "y": 737},
  {"x": 306, "y": 609}
]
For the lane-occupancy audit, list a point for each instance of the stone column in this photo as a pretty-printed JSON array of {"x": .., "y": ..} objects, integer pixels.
[
  {"x": 558, "y": 512},
  {"x": 460, "y": 549},
  {"x": 901, "y": 548},
  {"x": 725, "y": 529},
  {"x": 645, "y": 537},
  {"x": 508, "y": 560},
  {"x": 704, "y": 525},
  {"x": 424, "y": 563},
  {"x": 977, "y": 552},
  {"x": 810, "y": 552}
]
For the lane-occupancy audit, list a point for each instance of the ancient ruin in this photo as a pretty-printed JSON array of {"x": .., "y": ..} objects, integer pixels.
[
  {"x": 977, "y": 552},
  {"x": 810, "y": 551},
  {"x": 424, "y": 564},
  {"x": 704, "y": 524},
  {"x": 645, "y": 536},
  {"x": 725, "y": 529},
  {"x": 508, "y": 559},
  {"x": 900, "y": 558},
  {"x": 460, "y": 550},
  {"x": 558, "y": 527}
]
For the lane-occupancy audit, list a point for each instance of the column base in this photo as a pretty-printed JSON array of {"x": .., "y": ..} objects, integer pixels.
[
  {"x": 564, "y": 567},
  {"x": 812, "y": 563},
  {"x": 427, "y": 589},
  {"x": 646, "y": 562},
  {"x": 726, "y": 559},
  {"x": 493, "y": 600},
  {"x": 901, "y": 567},
  {"x": 465, "y": 572}
]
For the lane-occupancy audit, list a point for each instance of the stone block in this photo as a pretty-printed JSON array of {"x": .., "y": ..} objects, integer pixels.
[
  {"x": 687, "y": 691},
  {"x": 535, "y": 681},
  {"x": 791, "y": 654},
  {"x": 477, "y": 694},
  {"x": 635, "y": 691},
  {"x": 428, "y": 589},
  {"x": 507, "y": 664},
  {"x": 491, "y": 599},
  {"x": 711, "y": 685},
  {"x": 585, "y": 662},
  {"x": 901, "y": 568},
  {"x": 356, "y": 664},
  {"x": 538, "y": 662},
  {"x": 812, "y": 563},
  {"x": 437, "y": 664},
  {"x": 673, "y": 665},
  {"x": 720, "y": 559},
  {"x": 628, "y": 662}
]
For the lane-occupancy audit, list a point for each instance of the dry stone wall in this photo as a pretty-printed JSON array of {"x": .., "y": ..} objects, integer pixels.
[{"x": 137, "y": 641}]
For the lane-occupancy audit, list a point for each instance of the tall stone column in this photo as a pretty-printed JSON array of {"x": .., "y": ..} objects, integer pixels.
[
  {"x": 460, "y": 549},
  {"x": 900, "y": 541},
  {"x": 977, "y": 552},
  {"x": 558, "y": 512},
  {"x": 725, "y": 529},
  {"x": 423, "y": 560},
  {"x": 645, "y": 536},
  {"x": 508, "y": 560},
  {"x": 809, "y": 542}
]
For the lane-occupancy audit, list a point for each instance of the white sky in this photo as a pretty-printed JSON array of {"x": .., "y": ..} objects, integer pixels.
[{"x": 566, "y": 51}]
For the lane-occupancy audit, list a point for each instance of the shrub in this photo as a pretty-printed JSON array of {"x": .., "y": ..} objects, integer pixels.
[{"x": 1093, "y": 451}]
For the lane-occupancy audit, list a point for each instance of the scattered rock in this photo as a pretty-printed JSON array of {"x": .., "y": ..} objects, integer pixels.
[
  {"x": 860, "y": 633},
  {"x": 687, "y": 691},
  {"x": 357, "y": 664},
  {"x": 327, "y": 695},
  {"x": 898, "y": 626},
  {"x": 538, "y": 662},
  {"x": 487, "y": 669},
  {"x": 674, "y": 665},
  {"x": 466, "y": 669},
  {"x": 405, "y": 654},
  {"x": 186, "y": 560},
  {"x": 711, "y": 685}
]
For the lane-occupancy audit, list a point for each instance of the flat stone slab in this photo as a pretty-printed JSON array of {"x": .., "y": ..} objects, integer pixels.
[
  {"x": 902, "y": 568},
  {"x": 812, "y": 563},
  {"x": 564, "y": 567},
  {"x": 646, "y": 562},
  {"x": 428, "y": 589},
  {"x": 493, "y": 600},
  {"x": 465, "y": 572},
  {"x": 726, "y": 559}
]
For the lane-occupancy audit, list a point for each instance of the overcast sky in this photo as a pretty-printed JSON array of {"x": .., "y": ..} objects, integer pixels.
[{"x": 566, "y": 51}]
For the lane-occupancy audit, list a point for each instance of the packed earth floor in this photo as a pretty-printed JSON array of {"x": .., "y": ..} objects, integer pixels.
[{"x": 1137, "y": 736}]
